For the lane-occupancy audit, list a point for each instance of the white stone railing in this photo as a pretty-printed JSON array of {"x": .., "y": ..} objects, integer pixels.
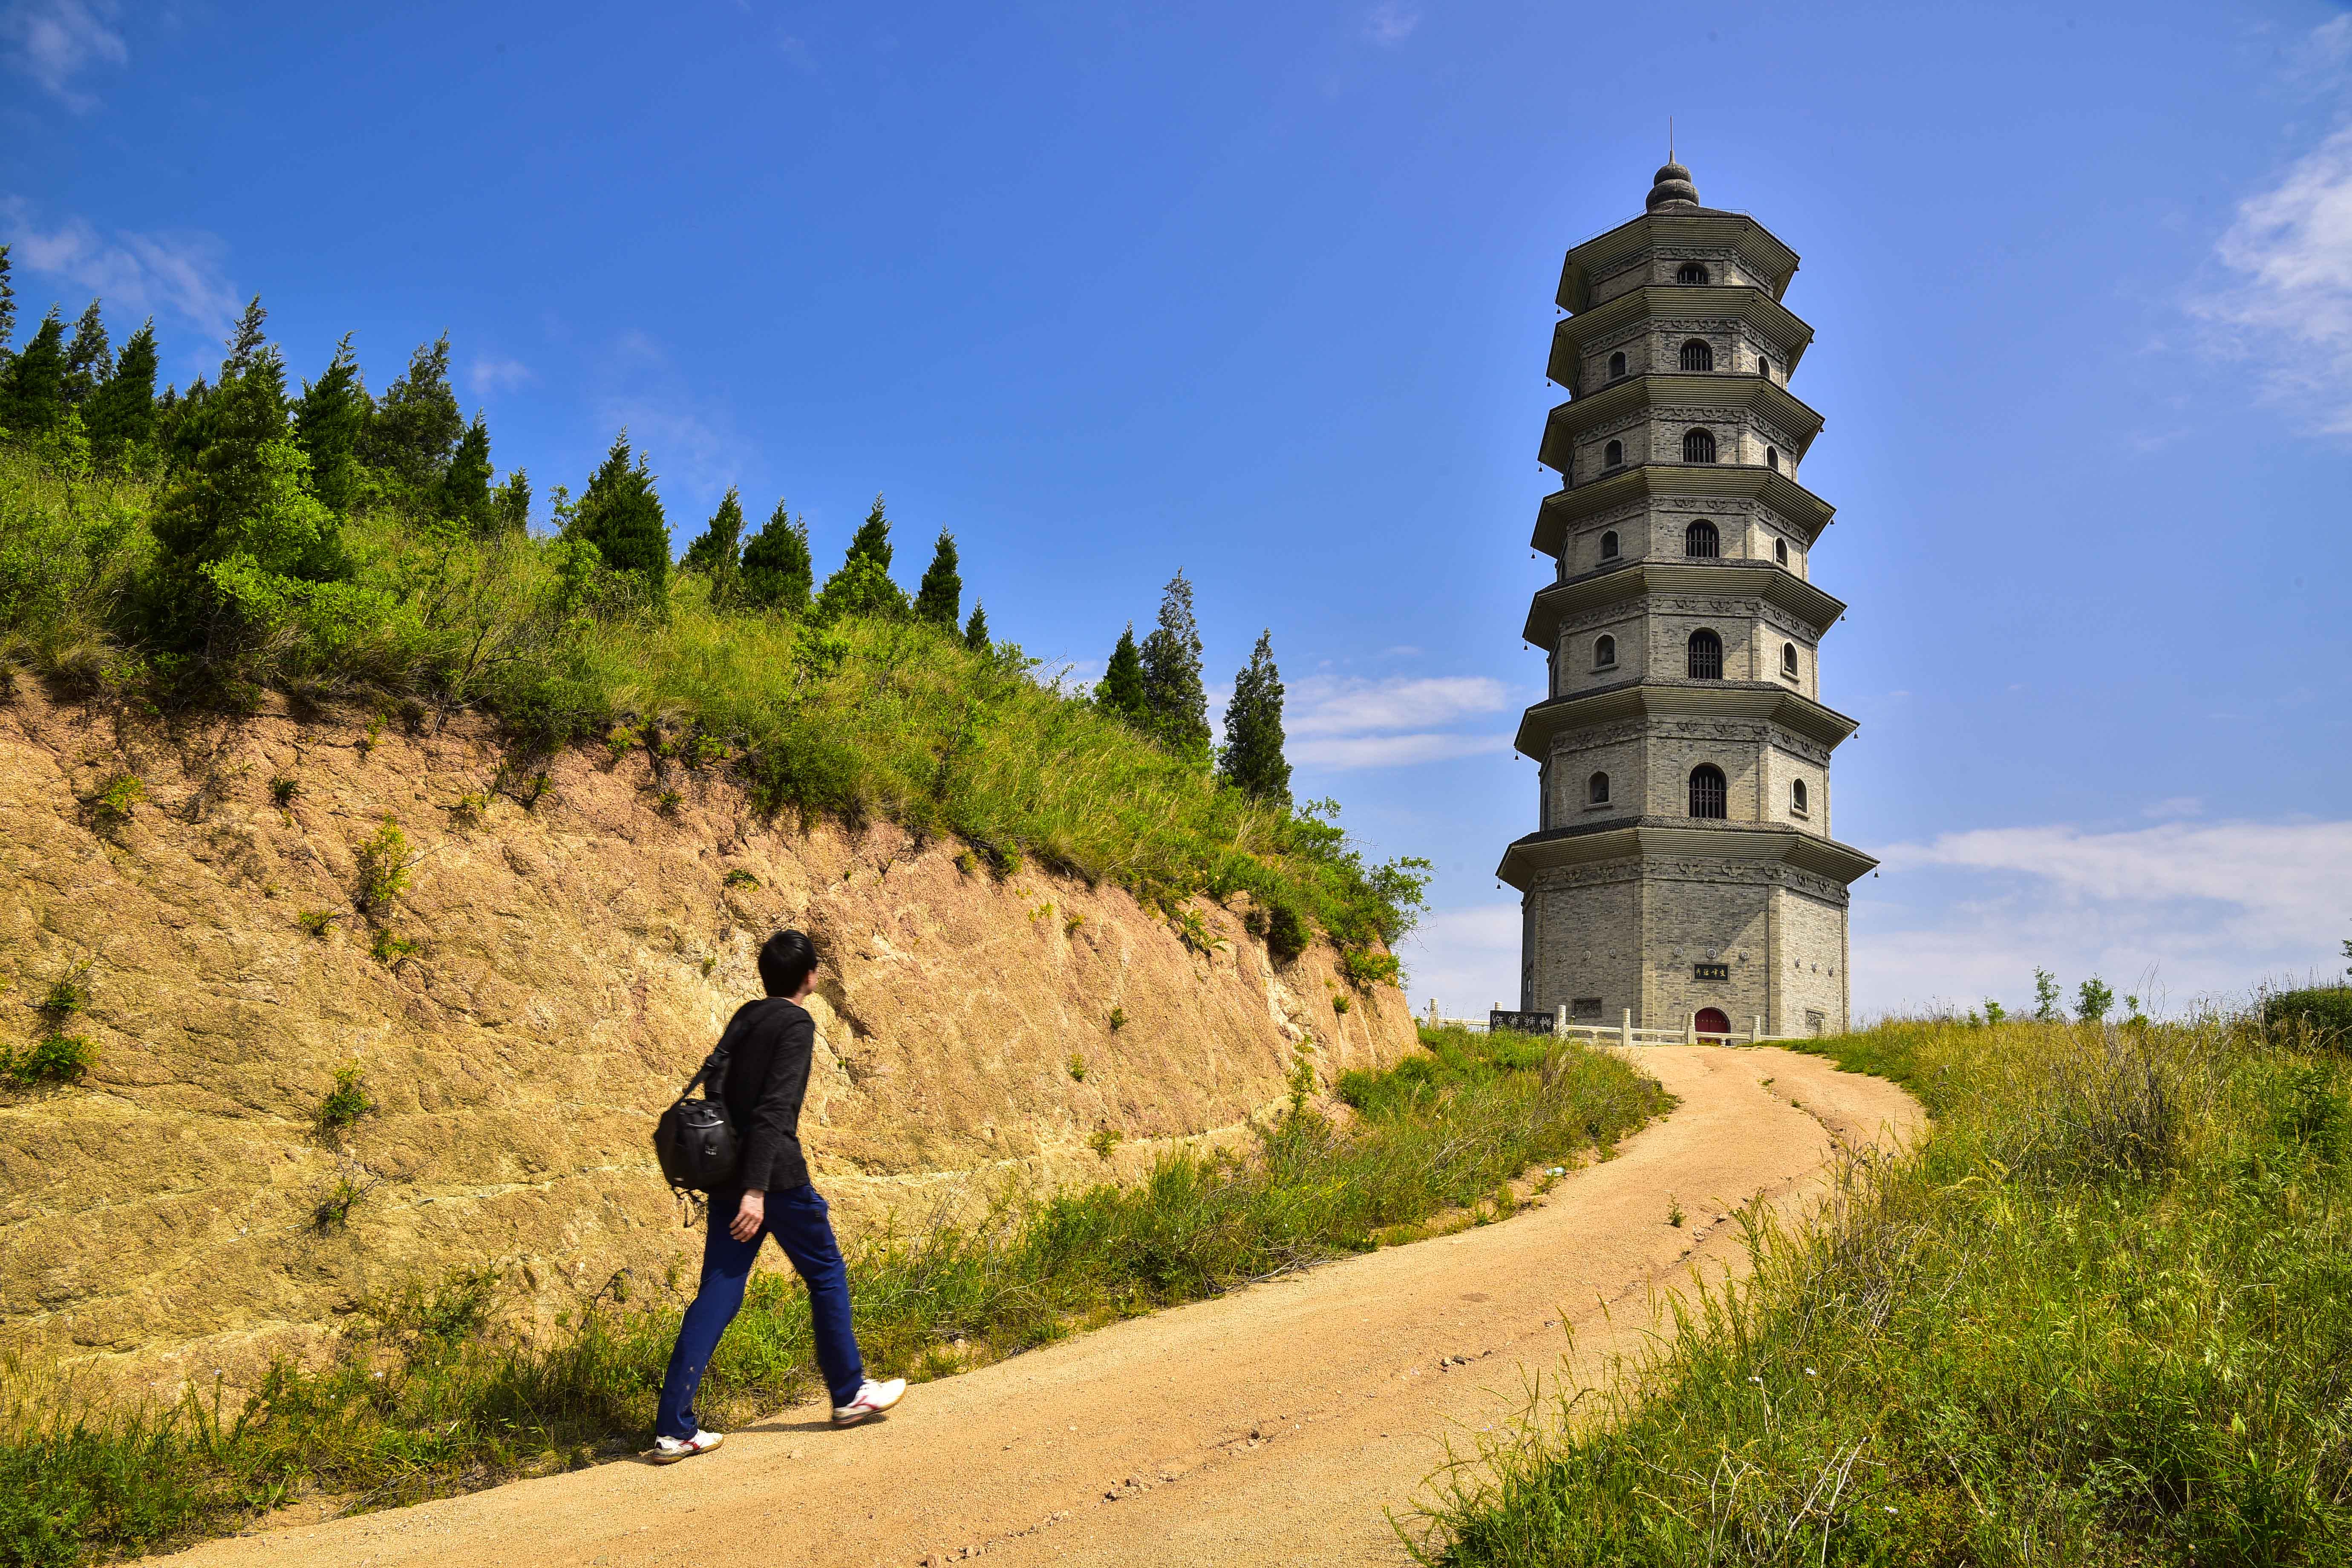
[{"x": 1621, "y": 1033}]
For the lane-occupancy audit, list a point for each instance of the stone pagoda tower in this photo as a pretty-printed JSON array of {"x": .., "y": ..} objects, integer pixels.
[{"x": 1682, "y": 868}]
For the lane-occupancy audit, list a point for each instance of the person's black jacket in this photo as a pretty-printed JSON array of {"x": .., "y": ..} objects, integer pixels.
[{"x": 767, "y": 1044}]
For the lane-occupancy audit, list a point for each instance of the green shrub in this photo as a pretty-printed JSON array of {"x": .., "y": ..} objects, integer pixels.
[
  {"x": 1286, "y": 932},
  {"x": 739, "y": 877},
  {"x": 1364, "y": 969},
  {"x": 2323, "y": 1014},
  {"x": 389, "y": 950},
  {"x": 117, "y": 798},
  {"x": 346, "y": 1102},
  {"x": 383, "y": 862},
  {"x": 53, "y": 1059}
]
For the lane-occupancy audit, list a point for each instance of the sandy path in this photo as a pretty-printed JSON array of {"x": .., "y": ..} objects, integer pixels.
[{"x": 1275, "y": 1424}]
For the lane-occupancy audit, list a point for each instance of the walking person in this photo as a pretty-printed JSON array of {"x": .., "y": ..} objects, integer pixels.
[{"x": 768, "y": 1044}]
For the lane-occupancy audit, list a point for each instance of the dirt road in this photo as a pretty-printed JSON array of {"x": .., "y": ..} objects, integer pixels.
[{"x": 1276, "y": 1425}]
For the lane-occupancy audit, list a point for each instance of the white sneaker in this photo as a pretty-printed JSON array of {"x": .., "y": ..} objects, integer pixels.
[
  {"x": 873, "y": 1398},
  {"x": 670, "y": 1450}
]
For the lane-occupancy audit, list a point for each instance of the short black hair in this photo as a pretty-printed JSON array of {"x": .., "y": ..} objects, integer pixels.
[{"x": 786, "y": 958}]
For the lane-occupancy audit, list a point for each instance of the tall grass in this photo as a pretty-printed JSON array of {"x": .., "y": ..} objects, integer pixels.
[
  {"x": 2104, "y": 1315},
  {"x": 862, "y": 720},
  {"x": 437, "y": 1389}
]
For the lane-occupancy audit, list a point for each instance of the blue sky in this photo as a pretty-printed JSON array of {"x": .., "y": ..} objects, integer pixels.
[{"x": 1264, "y": 292}]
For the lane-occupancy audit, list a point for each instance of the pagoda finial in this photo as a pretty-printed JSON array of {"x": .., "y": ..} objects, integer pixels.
[{"x": 1672, "y": 184}]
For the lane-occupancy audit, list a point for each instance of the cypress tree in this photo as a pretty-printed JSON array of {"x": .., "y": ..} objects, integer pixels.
[
  {"x": 1251, "y": 760},
  {"x": 7, "y": 307},
  {"x": 975, "y": 630},
  {"x": 1175, "y": 703},
  {"x": 90, "y": 358},
  {"x": 717, "y": 552},
  {"x": 621, "y": 516},
  {"x": 418, "y": 424},
  {"x": 1120, "y": 690},
  {"x": 511, "y": 504},
  {"x": 332, "y": 422},
  {"x": 940, "y": 599},
  {"x": 777, "y": 573},
  {"x": 863, "y": 585},
  {"x": 122, "y": 414},
  {"x": 244, "y": 343},
  {"x": 33, "y": 389},
  {"x": 465, "y": 487}
]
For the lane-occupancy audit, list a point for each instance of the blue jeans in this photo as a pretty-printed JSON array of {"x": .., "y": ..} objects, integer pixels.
[{"x": 797, "y": 1218}]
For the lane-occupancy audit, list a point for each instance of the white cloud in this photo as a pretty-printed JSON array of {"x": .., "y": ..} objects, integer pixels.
[
  {"x": 1324, "y": 706},
  {"x": 54, "y": 41},
  {"x": 1392, "y": 22},
  {"x": 172, "y": 274},
  {"x": 1393, "y": 751},
  {"x": 2290, "y": 247},
  {"x": 487, "y": 375},
  {"x": 687, "y": 437},
  {"x": 2195, "y": 909},
  {"x": 1468, "y": 959}
]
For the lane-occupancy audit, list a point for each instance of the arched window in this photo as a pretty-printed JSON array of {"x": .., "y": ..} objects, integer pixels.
[
  {"x": 1691, "y": 272},
  {"x": 1617, "y": 367},
  {"x": 1780, "y": 553},
  {"x": 1612, "y": 456},
  {"x": 1604, "y": 653},
  {"x": 1797, "y": 797},
  {"x": 1788, "y": 660},
  {"x": 1705, "y": 656},
  {"x": 1701, "y": 539},
  {"x": 1696, "y": 355},
  {"x": 1773, "y": 459},
  {"x": 1609, "y": 545},
  {"x": 1698, "y": 446},
  {"x": 1596, "y": 790},
  {"x": 1708, "y": 795},
  {"x": 1764, "y": 367}
]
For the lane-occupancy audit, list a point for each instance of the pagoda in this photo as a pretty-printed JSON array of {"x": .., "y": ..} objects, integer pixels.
[{"x": 1682, "y": 868}]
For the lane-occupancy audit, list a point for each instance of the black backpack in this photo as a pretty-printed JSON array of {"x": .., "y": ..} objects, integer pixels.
[{"x": 694, "y": 1140}]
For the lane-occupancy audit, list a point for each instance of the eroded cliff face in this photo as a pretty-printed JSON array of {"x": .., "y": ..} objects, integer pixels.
[{"x": 575, "y": 961}]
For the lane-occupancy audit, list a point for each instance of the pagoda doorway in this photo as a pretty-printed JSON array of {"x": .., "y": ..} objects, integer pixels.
[{"x": 1711, "y": 1021}]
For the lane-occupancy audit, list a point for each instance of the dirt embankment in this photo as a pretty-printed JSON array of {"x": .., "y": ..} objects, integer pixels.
[{"x": 184, "y": 1208}]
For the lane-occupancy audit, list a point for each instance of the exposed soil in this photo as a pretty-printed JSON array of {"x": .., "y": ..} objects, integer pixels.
[{"x": 1281, "y": 1423}]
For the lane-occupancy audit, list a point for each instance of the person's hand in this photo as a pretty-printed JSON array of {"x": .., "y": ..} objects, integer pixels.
[{"x": 749, "y": 1215}]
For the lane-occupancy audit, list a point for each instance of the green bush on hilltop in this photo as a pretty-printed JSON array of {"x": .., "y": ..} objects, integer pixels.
[{"x": 237, "y": 540}]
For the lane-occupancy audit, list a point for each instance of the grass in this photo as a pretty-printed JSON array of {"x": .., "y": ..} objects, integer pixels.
[
  {"x": 438, "y": 1389},
  {"x": 867, "y": 720},
  {"x": 2103, "y": 1314}
]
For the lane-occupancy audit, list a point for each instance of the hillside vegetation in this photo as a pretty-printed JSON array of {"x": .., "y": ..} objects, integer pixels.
[
  {"x": 189, "y": 551},
  {"x": 2104, "y": 1315}
]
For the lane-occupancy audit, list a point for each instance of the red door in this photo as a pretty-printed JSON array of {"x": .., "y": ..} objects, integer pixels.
[{"x": 1711, "y": 1021}]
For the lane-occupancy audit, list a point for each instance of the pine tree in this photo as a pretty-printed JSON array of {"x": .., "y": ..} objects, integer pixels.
[
  {"x": 1251, "y": 760},
  {"x": 940, "y": 599},
  {"x": 331, "y": 423},
  {"x": 777, "y": 573},
  {"x": 975, "y": 630},
  {"x": 417, "y": 422},
  {"x": 7, "y": 308},
  {"x": 90, "y": 358},
  {"x": 1176, "y": 704},
  {"x": 510, "y": 504},
  {"x": 122, "y": 414},
  {"x": 1120, "y": 690},
  {"x": 863, "y": 585},
  {"x": 32, "y": 389},
  {"x": 717, "y": 552},
  {"x": 465, "y": 487},
  {"x": 620, "y": 515}
]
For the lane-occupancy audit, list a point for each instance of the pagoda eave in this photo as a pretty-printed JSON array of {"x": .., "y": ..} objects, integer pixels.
[
  {"x": 1676, "y": 389},
  {"x": 1647, "y": 481},
  {"x": 1665, "y": 302},
  {"x": 1710, "y": 227},
  {"x": 1725, "y": 578},
  {"x": 1682, "y": 839},
  {"x": 1752, "y": 700}
]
